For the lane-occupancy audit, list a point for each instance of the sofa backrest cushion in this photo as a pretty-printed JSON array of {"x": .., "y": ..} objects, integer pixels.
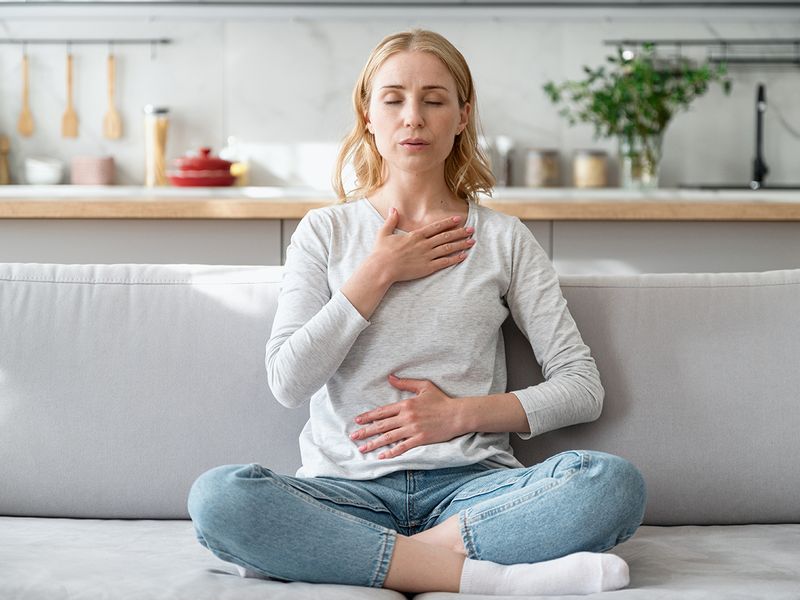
[
  {"x": 702, "y": 381},
  {"x": 120, "y": 384}
]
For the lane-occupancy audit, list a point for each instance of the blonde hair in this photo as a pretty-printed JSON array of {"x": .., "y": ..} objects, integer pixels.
[{"x": 466, "y": 169}]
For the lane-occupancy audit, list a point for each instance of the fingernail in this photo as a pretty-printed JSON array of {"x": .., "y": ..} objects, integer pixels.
[{"x": 456, "y": 219}]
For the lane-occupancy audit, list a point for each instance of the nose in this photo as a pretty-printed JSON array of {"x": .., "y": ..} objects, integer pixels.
[{"x": 412, "y": 115}]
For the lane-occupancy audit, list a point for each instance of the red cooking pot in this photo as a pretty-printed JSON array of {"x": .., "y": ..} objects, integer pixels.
[{"x": 203, "y": 170}]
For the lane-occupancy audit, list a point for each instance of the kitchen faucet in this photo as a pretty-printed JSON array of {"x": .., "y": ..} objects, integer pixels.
[{"x": 760, "y": 168}]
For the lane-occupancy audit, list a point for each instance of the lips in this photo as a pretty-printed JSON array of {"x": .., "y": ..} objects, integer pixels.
[{"x": 414, "y": 142}]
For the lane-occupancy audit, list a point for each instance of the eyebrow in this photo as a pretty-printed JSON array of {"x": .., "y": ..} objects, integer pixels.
[{"x": 424, "y": 87}]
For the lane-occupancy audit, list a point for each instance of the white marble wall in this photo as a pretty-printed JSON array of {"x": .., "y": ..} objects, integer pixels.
[{"x": 282, "y": 84}]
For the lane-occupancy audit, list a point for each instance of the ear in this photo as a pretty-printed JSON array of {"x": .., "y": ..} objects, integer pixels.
[
  {"x": 369, "y": 125},
  {"x": 462, "y": 124}
]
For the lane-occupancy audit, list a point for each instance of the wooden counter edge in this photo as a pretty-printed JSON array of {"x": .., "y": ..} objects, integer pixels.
[{"x": 568, "y": 210}]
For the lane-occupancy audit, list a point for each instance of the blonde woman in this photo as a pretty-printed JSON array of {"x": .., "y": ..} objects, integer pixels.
[{"x": 389, "y": 321}]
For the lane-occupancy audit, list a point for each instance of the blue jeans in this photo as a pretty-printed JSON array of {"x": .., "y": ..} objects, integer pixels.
[{"x": 332, "y": 530}]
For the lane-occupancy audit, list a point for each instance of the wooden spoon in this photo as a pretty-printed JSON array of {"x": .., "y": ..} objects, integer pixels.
[
  {"x": 25, "y": 123},
  {"x": 112, "y": 124},
  {"x": 69, "y": 122},
  {"x": 4, "y": 146}
]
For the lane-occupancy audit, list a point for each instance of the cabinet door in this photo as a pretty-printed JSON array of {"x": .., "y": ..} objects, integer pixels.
[
  {"x": 617, "y": 247},
  {"x": 162, "y": 241}
]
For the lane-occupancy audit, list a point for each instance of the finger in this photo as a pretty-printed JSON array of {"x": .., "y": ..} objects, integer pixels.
[
  {"x": 439, "y": 226},
  {"x": 383, "y": 440},
  {"x": 446, "y": 249},
  {"x": 452, "y": 235},
  {"x": 413, "y": 385},
  {"x": 390, "y": 222},
  {"x": 390, "y": 410},
  {"x": 449, "y": 261},
  {"x": 376, "y": 428},
  {"x": 399, "y": 449}
]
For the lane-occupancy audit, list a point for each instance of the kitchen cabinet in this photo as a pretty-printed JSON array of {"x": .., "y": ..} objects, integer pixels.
[
  {"x": 583, "y": 231},
  {"x": 109, "y": 241}
]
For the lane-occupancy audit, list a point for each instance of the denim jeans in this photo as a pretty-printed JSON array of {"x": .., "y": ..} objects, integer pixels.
[{"x": 333, "y": 530}]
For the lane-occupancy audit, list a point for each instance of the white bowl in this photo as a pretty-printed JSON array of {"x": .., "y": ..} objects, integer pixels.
[{"x": 43, "y": 171}]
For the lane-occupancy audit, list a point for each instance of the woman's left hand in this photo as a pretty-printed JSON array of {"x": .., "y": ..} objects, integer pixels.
[{"x": 427, "y": 418}]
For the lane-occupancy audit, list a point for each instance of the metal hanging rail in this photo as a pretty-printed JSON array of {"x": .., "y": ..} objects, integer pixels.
[
  {"x": 114, "y": 42},
  {"x": 725, "y": 50}
]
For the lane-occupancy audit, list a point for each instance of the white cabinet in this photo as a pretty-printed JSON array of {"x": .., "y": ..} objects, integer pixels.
[
  {"x": 589, "y": 247},
  {"x": 157, "y": 241},
  {"x": 576, "y": 247}
]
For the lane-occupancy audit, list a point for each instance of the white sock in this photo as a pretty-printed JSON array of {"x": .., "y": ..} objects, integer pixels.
[
  {"x": 249, "y": 573},
  {"x": 579, "y": 573}
]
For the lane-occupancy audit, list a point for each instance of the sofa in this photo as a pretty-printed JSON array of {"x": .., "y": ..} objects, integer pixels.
[{"x": 121, "y": 384}]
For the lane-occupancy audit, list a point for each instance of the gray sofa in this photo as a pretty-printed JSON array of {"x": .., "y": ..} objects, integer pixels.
[{"x": 120, "y": 384}]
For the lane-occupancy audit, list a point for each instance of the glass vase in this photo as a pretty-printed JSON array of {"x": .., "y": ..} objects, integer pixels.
[{"x": 639, "y": 157}]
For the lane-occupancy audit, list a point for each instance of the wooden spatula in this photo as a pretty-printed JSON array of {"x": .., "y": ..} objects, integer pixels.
[
  {"x": 112, "y": 124},
  {"x": 69, "y": 122},
  {"x": 25, "y": 123}
]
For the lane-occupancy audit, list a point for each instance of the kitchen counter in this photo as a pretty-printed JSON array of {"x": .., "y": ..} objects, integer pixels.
[{"x": 553, "y": 204}]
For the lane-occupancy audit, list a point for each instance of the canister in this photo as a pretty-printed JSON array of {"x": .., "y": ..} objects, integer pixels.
[
  {"x": 590, "y": 168},
  {"x": 542, "y": 168}
]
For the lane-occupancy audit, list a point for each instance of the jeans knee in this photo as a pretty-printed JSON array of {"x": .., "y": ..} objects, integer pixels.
[
  {"x": 211, "y": 495},
  {"x": 621, "y": 489}
]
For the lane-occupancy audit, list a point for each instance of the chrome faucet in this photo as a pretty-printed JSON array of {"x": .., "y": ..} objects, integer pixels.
[{"x": 760, "y": 168}]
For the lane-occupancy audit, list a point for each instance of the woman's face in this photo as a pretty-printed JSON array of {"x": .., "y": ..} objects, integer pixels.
[{"x": 414, "y": 97}]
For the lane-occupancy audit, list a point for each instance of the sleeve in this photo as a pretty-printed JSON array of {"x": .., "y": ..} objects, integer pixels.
[
  {"x": 572, "y": 392},
  {"x": 313, "y": 330}
]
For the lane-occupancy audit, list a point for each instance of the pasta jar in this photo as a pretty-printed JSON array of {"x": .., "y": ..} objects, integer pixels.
[
  {"x": 156, "y": 123},
  {"x": 589, "y": 168}
]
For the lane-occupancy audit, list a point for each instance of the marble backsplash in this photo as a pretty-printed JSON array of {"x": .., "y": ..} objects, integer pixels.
[{"x": 282, "y": 86}]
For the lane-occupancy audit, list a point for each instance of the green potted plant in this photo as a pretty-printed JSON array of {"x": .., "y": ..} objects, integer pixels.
[{"x": 634, "y": 101}]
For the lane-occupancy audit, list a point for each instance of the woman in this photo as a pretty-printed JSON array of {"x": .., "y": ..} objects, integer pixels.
[{"x": 389, "y": 321}]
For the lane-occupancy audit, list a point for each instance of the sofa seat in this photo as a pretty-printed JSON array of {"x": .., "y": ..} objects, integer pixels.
[{"x": 94, "y": 559}]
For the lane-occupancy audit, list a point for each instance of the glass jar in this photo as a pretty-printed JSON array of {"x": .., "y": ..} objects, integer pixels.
[
  {"x": 589, "y": 169},
  {"x": 156, "y": 123},
  {"x": 542, "y": 168}
]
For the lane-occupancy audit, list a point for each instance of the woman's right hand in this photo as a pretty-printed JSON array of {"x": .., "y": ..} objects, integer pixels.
[{"x": 424, "y": 250}]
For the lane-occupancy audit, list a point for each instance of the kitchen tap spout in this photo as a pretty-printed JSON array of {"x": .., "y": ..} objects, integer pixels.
[{"x": 760, "y": 168}]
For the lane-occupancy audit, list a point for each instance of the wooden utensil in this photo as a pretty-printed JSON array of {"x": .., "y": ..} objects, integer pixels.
[
  {"x": 69, "y": 122},
  {"x": 112, "y": 124},
  {"x": 25, "y": 123},
  {"x": 4, "y": 145}
]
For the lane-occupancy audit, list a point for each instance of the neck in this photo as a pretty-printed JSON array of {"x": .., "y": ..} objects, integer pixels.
[{"x": 416, "y": 197}]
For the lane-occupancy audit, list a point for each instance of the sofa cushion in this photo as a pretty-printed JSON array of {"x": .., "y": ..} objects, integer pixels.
[
  {"x": 702, "y": 382},
  {"x": 121, "y": 384},
  {"x": 723, "y": 562},
  {"x": 60, "y": 559},
  {"x": 90, "y": 559}
]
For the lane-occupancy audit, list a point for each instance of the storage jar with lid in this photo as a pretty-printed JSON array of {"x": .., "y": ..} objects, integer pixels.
[
  {"x": 542, "y": 168},
  {"x": 589, "y": 168}
]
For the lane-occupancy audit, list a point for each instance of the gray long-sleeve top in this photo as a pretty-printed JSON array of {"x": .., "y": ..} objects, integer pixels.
[{"x": 444, "y": 327}]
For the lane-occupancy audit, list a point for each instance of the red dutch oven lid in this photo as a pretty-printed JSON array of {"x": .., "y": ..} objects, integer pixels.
[{"x": 204, "y": 162}]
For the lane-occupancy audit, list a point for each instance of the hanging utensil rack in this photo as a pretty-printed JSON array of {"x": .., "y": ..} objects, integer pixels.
[
  {"x": 110, "y": 42},
  {"x": 732, "y": 51}
]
